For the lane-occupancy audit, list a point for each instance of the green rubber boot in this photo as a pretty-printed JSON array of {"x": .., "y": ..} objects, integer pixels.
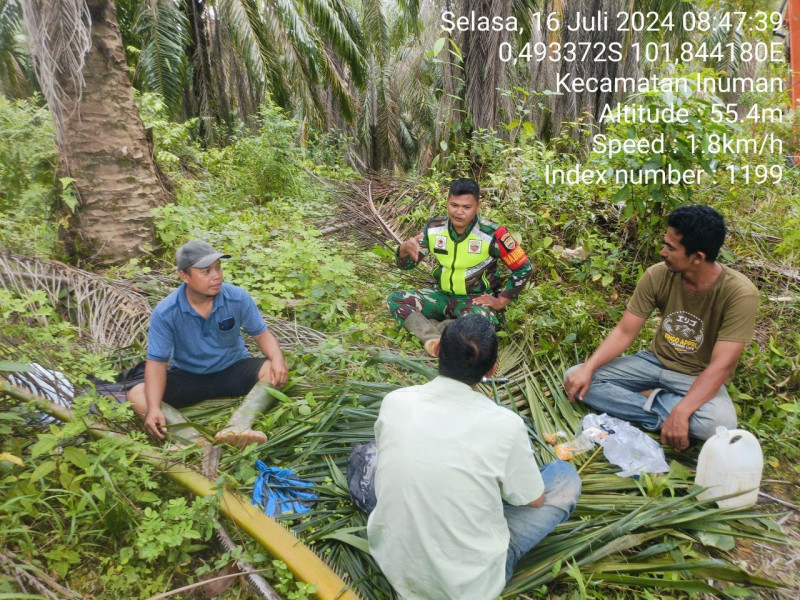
[{"x": 440, "y": 325}]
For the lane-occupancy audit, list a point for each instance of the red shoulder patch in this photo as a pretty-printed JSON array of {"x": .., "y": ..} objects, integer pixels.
[{"x": 511, "y": 253}]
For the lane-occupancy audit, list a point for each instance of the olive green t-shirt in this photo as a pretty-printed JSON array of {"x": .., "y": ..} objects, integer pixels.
[{"x": 692, "y": 323}]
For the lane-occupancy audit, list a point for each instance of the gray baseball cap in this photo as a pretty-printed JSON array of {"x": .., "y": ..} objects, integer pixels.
[{"x": 197, "y": 254}]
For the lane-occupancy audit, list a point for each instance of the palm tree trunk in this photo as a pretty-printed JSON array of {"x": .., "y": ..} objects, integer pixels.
[
  {"x": 106, "y": 151},
  {"x": 484, "y": 71}
]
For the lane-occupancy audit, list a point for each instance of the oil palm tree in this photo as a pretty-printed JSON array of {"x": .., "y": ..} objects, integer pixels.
[
  {"x": 204, "y": 56},
  {"x": 219, "y": 59},
  {"x": 80, "y": 66},
  {"x": 15, "y": 69},
  {"x": 396, "y": 112},
  {"x": 574, "y": 106}
]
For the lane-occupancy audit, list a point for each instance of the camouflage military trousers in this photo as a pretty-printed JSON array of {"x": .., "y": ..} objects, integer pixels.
[{"x": 435, "y": 304}]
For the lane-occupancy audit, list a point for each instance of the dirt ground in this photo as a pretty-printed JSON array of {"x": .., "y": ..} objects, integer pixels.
[{"x": 777, "y": 562}]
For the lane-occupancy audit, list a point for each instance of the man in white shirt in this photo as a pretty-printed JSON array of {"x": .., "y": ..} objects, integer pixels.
[{"x": 459, "y": 496}]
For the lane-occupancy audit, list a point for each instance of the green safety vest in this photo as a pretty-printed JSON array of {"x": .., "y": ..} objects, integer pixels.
[{"x": 458, "y": 259}]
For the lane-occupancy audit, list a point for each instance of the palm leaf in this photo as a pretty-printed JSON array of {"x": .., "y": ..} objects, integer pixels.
[
  {"x": 376, "y": 27},
  {"x": 616, "y": 535},
  {"x": 244, "y": 24},
  {"x": 112, "y": 312},
  {"x": 342, "y": 31},
  {"x": 164, "y": 31},
  {"x": 14, "y": 64}
]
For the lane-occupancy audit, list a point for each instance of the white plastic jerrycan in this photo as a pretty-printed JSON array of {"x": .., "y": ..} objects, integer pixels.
[{"x": 730, "y": 462}]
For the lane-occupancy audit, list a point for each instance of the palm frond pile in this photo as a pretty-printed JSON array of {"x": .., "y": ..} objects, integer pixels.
[
  {"x": 626, "y": 534},
  {"x": 376, "y": 209},
  {"x": 112, "y": 312}
]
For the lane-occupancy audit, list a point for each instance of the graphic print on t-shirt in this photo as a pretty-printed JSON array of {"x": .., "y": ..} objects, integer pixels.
[{"x": 683, "y": 331}]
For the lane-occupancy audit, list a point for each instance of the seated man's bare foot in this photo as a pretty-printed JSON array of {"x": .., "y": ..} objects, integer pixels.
[
  {"x": 241, "y": 438},
  {"x": 432, "y": 347}
]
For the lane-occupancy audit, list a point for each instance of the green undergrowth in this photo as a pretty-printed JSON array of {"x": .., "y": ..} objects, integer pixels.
[
  {"x": 259, "y": 199},
  {"x": 106, "y": 523},
  {"x": 28, "y": 159}
]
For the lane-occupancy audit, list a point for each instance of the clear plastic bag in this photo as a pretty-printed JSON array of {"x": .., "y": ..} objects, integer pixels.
[
  {"x": 627, "y": 446},
  {"x": 580, "y": 444}
]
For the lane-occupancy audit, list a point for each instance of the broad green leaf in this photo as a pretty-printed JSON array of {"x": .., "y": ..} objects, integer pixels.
[
  {"x": 45, "y": 444},
  {"x": 77, "y": 457},
  {"x": 679, "y": 471},
  {"x": 42, "y": 471},
  {"x": 622, "y": 194},
  {"x": 717, "y": 540}
]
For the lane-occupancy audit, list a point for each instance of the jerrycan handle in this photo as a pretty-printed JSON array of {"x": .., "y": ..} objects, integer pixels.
[{"x": 723, "y": 433}]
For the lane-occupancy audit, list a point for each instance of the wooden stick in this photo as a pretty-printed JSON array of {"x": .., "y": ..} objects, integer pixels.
[{"x": 590, "y": 459}]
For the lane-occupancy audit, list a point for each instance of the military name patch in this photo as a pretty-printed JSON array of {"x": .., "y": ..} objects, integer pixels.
[{"x": 475, "y": 246}]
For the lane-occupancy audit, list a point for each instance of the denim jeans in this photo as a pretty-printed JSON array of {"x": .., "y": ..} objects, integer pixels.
[
  {"x": 615, "y": 391},
  {"x": 528, "y": 525}
]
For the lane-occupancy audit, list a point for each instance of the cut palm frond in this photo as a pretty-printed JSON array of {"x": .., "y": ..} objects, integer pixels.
[
  {"x": 113, "y": 313},
  {"x": 624, "y": 533}
]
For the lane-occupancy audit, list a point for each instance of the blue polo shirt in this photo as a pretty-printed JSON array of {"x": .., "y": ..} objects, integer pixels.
[{"x": 179, "y": 333}]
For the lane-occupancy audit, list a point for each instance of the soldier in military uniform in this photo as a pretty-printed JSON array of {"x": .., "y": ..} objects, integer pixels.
[{"x": 467, "y": 248}]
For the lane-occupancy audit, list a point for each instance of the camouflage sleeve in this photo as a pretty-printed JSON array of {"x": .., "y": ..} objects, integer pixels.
[
  {"x": 407, "y": 263},
  {"x": 514, "y": 257}
]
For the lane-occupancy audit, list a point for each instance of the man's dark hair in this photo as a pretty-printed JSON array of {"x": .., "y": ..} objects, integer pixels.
[
  {"x": 462, "y": 187},
  {"x": 702, "y": 229},
  {"x": 468, "y": 349}
]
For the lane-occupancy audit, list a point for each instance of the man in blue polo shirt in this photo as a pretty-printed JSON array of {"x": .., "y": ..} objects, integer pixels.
[{"x": 198, "y": 328}]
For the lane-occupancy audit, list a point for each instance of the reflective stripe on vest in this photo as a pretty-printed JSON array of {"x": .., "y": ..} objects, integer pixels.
[{"x": 458, "y": 258}]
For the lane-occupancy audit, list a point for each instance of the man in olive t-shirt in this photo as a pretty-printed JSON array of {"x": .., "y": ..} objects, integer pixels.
[{"x": 708, "y": 315}]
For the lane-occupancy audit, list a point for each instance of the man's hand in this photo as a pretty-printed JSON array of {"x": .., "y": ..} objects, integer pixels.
[
  {"x": 494, "y": 303},
  {"x": 675, "y": 430},
  {"x": 410, "y": 248},
  {"x": 578, "y": 382},
  {"x": 155, "y": 423},
  {"x": 278, "y": 371}
]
